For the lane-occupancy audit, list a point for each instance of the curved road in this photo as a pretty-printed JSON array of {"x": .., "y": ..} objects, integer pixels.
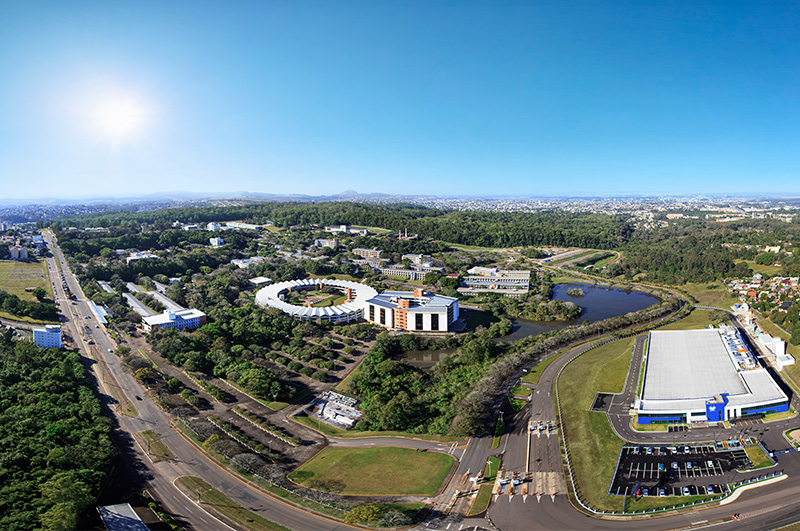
[
  {"x": 116, "y": 385},
  {"x": 766, "y": 507}
]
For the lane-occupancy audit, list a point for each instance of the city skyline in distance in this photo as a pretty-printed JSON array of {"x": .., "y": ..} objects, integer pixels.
[{"x": 528, "y": 100}]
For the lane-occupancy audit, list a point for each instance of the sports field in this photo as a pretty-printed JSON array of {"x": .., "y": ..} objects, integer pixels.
[
  {"x": 16, "y": 276},
  {"x": 374, "y": 471}
]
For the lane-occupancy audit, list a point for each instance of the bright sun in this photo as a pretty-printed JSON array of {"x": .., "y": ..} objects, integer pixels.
[{"x": 119, "y": 118}]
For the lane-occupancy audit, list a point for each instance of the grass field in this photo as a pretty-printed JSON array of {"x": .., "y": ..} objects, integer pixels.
[
  {"x": 516, "y": 403},
  {"x": 212, "y": 499},
  {"x": 481, "y": 501},
  {"x": 128, "y": 410},
  {"x": 153, "y": 445},
  {"x": 712, "y": 294},
  {"x": 16, "y": 276},
  {"x": 498, "y": 433},
  {"x": 535, "y": 372},
  {"x": 592, "y": 443},
  {"x": 758, "y": 457},
  {"x": 763, "y": 269},
  {"x": 695, "y": 320},
  {"x": 377, "y": 471}
]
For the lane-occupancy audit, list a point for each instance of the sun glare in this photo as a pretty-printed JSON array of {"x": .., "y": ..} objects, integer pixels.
[{"x": 119, "y": 118}]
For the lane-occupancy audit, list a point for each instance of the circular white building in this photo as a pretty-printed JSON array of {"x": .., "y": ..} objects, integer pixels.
[{"x": 352, "y": 310}]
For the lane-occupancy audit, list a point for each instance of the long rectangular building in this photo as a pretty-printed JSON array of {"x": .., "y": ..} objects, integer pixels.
[
  {"x": 705, "y": 375},
  {"x": 181, "y": 319}
]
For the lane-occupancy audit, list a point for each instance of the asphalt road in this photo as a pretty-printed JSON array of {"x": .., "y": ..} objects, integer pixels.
[
  {"x": 766, "y": 507},
  {"x": 117, "y": 384}
]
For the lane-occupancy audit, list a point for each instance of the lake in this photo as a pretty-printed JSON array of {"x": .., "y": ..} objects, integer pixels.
[{"x": 598, "y": 303}]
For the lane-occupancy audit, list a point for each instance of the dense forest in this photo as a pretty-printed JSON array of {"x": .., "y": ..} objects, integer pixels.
[
  {"x": 398, "y": 396},
  {"x": 487, "y": 229},
  {"x": 55, "y": 449},
  {"x": 229, "y": 347}
]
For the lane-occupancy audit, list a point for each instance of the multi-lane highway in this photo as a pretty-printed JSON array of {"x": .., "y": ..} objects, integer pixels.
[
  {"x": 536, "y": 455},
  {"x": 116, "y": 385}
]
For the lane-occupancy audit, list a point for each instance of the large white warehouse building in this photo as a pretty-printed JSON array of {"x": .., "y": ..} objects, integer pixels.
[{"x": 705, "y": 375}]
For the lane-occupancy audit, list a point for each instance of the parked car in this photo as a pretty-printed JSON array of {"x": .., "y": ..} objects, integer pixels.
[{"x": 685, "y": 491}]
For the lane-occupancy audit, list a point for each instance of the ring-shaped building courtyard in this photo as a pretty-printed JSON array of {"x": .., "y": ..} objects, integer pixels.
[{"x": 353, "y": 310}]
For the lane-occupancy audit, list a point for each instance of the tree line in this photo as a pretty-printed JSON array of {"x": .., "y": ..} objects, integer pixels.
[{"x": 55, "y": 445}]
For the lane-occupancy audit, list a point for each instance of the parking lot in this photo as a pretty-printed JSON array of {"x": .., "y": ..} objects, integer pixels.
[{"x": 680, "y": 470}]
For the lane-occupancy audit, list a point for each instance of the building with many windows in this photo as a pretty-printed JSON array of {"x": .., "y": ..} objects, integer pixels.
[
  {"x": 367, "y": 253},
  {"x": 413, "y": 311},
  {"x": 181, "y": 319},
  {"x": 485, "y": 279},
  {"x": 49, "y": 336}
]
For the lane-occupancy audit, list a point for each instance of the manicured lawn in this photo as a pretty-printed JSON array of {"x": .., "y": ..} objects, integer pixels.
[
  {"x": 481, "y": 502},
  {"x": 535, "y": 372},
  {"x": 212, "y": 499},
  {"x": 16, "y": 276},
  {"x": 650, "y": 427},
  {"x": 374, "y": 471},
  {"x": 152, "y": 444},
  {"x": 758, "y": 457},
  {"x": 521, "y": 390},
  {"x": 769, "y": 417},
  {"x": 516, "y": 403},
  {"x": 498, "y": 432},
  {"x": 593, "y": 445}
]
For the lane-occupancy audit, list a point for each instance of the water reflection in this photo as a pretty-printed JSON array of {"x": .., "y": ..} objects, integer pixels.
[{"x": 597, "y": 303}]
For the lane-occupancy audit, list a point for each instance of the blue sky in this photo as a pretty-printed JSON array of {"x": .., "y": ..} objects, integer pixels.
[{"x": 445, "y": 98}]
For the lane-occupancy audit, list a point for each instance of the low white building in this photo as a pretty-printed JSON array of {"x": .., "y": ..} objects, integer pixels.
[
  {"x": 139, "y": 256},
  {"x": 49, "y": 336},
  {"x": 182, "y": 320},
  {"x": 216, "y": 242}
]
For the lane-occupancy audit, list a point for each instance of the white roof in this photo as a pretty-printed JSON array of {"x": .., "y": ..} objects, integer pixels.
[
  {"x": 165, "y": 317},
  {"x": 689, "y": 364},
  {"x": 685, "y": 368},
  {"x": 270, "y": 296}
]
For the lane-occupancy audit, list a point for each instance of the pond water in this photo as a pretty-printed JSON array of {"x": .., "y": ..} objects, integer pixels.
[{"x": 598, "y": 303}]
